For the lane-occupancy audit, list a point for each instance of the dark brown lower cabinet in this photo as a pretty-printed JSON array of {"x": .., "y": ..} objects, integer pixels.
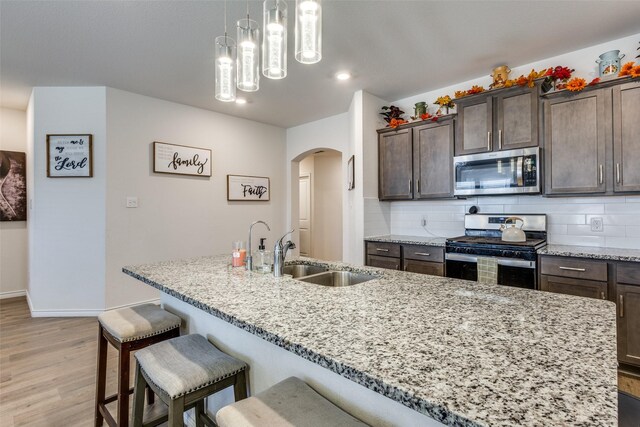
[
  {"x": 572, "y": 286},
  {"x": 629, "y": 324},
  {"x": 424, "y": 267},
  {"x": 383, "y": 262}
]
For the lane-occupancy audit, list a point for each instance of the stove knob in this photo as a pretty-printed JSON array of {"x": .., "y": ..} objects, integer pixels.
[{"x": 509, "y": 254}]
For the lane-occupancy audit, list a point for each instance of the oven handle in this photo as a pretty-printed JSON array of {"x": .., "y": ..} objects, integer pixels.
[{"x": 508, "y": 262}]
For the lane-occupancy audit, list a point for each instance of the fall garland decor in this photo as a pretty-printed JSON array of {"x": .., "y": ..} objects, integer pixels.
[
  {"x": 393, "y": 116},
  {"x": 630, "y": 69}
]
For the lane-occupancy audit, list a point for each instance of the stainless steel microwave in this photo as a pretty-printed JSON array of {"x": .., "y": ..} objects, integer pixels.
[{"x": 499, "y": 172}]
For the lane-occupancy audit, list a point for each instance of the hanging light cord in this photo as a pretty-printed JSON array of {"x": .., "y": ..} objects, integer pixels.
[{"x": 225, "y": 21}]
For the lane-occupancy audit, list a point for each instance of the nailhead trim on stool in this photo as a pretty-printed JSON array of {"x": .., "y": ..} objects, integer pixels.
[
  {"x": 290, "y": 403},
  {"x": 182, "y": 372},
  {"x": 127, "y": 329}
]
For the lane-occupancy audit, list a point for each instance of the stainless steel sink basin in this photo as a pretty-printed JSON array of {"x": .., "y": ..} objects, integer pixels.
[
  {"x": 300, "y": 270},
  {"x": 337, "y": 278}
]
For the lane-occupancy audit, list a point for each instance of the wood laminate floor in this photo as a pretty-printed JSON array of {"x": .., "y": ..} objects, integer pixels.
[{"x": 47, "y": 369}]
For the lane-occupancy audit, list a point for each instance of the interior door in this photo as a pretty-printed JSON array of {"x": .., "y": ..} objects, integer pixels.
[{"x": 305, "y": 215}]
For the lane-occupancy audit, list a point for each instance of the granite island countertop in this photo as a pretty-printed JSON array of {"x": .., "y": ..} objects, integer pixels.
[
  {"x": 463, "y": 353},
  {"x": 409, "y": 240}
]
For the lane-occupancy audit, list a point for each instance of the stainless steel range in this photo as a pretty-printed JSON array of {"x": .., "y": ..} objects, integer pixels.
[{"x": 516, "y": 261}]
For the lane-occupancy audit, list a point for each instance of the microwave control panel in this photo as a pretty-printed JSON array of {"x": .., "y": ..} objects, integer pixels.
[{"x": 530, "y": 171}]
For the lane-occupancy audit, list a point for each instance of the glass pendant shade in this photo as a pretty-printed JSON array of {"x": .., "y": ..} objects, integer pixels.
[
  {"x": 248, "y": 55},
  {"x": 274, "y": 40},
  {"x": 225, "y": 69},
  {"x": 308, "y": 31}
]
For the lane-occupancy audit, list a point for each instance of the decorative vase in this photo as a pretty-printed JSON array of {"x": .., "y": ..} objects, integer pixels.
[
  {"x": 419, "y": 109},
  {"x": 609, "y": 63},
  {"x": 546, "y": 86},
  {"x": 500, "y": 76}
]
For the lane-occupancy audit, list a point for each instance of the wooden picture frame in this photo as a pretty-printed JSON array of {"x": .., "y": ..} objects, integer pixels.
[
  {"x": 351, "y": 175},
  {"x": 248, "y": 188},
  {"x": 181, "y": 159},
  {"x": 69, "y": 155}
]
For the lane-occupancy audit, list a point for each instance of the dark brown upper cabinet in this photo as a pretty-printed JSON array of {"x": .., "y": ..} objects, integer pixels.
[
  {"x": 504, "y": 120},
  {"x": 416, "y": 162},
  {"x": 591, "y": 140}
]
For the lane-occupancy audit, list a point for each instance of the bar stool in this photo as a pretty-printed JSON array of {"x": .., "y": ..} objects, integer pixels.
[
  {"x": 182, "y": 372},
  {"x": 127, "y": 329},
  {"x": 289, "y": 403}
]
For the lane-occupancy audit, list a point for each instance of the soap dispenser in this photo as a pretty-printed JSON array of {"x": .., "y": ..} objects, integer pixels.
[{"x": 262, "y": 257}]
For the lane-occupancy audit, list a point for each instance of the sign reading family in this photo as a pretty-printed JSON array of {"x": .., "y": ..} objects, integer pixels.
[
  {"x": 181, "y": 159},
  {"x": 69, "y": 156},
  {"x": 241, "y": 187}
]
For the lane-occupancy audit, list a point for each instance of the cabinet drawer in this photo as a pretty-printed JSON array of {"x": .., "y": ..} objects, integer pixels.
[
  {"x": 423, "y": 253},
  {"x": 628, "y": 272},
  {"x": 383, "y": 249},
  {"x": 424, "y": 267},
  {"x": 571, "y": 286},
  {"x": 574, "y": 267},
  {"x": 383, "y": 262}
]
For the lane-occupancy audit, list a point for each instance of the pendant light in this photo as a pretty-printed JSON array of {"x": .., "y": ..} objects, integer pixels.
[
  {"x": 225, "y": 65},
  {"x": 274, "y": 40},
  {"x": 308, "y": 31},
  {"x": 248, "y": 54}
]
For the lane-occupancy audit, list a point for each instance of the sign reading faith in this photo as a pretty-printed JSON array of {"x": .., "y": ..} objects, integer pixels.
[
  {"x": 69, "y": 156},
  {"x": 181, "y": 159},
  {"x": 241, "y": 187}
]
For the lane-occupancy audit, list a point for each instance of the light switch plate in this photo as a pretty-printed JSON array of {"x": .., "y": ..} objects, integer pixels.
[{"x": 132, "y": 202}]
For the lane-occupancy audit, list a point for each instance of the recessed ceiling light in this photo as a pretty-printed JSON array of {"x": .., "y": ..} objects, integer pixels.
[
  {"x": 343, "y": 75},
  {"x": 241, "y": 101}
]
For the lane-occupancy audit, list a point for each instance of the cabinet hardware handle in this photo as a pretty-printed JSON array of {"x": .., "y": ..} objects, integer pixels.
[
  {"x": 602, "y": 295},
  {"x": 500, "y": 139},
  {"x": 418, "y": 182},
  {"x": 382, "y": 250},
  {"x": 572, "y": 269},
  {"x": 422, "y": 253},
  {"x": 618, "y": 173},
  {"x": 396, "y": 267},
  {"x": 410, "y": 187},
  {"x": 405, "y": 268},
  {"x": 489, "y": 141},
  {"x": 621, "y": 305},
  {"x": 600, "y": 169}
]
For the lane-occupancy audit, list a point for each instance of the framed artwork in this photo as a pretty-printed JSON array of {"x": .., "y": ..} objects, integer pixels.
[
  {"x": 13, "y": 186},
  {"x": 248, "y": 188},
  {"x": 69, "y": 156},
  {"x": 181, "y": 159},
  {"x": 351, "y": 174}
]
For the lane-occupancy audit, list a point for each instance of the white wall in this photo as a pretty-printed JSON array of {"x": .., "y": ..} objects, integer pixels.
[
  {"x": 328, "y": 186},
  {"x": 569, "y": 217},
  {"x": 13, "y": 234},
  {"x": 67, "y": 216}
]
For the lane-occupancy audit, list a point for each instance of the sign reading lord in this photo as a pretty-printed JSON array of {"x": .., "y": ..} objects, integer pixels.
[
  {"x": 69, "y": 156},
  {"x": 181, "y": 160},
  {"x": 241, "y": 187}
]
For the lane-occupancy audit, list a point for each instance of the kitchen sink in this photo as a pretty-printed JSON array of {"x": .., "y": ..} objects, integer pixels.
[
  {"x": 338, "y": 278},
  {"x": 300, "y": 270}
]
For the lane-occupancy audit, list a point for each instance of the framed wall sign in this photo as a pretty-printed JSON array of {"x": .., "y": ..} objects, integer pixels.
[
  {"x": 351, "y": 174},
  {"x": 13, "y": 186},
  {"x": 181, "y": 159},
  {"x": 254, "y": 188},
  {"x": 69, "y": 156}
]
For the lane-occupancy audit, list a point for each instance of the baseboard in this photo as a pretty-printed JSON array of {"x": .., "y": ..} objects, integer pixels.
[
  {"x": 13, "y": 294},
  {"x": 80, "y": 312}
]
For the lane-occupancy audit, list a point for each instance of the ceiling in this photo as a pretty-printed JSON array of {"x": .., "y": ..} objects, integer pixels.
[{"x": 394, "y": 48}]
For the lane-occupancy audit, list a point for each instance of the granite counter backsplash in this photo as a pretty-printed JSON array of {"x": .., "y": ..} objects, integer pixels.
[{"x": 463, "y": 353}]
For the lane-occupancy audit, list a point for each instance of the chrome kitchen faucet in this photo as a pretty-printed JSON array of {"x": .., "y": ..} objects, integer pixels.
[{"x": 279, "y": 253}]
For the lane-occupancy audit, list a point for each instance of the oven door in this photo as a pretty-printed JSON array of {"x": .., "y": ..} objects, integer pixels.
[
  {"x": 511, "y": 272},
  {"x": 504, "y": 172}
]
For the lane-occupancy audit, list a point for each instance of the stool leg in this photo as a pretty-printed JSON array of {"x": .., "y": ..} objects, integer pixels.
[
  {"x": 240, "y": 386},
  {"x": 101, "y": 375},
  {"x": 138, "y": 398},
  {"x": 123, "y": 386},
  {"x": 199, "y": 411},
  {"x": 176, "y": 412}
]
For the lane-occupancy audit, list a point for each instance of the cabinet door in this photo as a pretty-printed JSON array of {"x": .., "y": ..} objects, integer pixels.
[
  {"x": 433, "y": 160},
  {"x": 423, "y": 267},
  {"x": 474, "y": 126},
  {"x": 575, "y": 138},
  {"x": 395, "y": 169},
  {"x": 570, "y": 286},
  {"x": 516, "y": 119},
  {"x": 629, "y": 324},
  {"x": 383, "y": 262},
  {"x": 626, "y": 137}
]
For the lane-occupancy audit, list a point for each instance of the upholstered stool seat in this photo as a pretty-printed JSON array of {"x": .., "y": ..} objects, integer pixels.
[
  {"x": 182, "y": 372},
  {"x": 290, "y": 403},
  {"x": 127, "y": 329}
]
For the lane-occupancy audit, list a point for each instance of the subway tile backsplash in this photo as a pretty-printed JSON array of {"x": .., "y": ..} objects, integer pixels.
[{"x": 569, "y": 218}]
